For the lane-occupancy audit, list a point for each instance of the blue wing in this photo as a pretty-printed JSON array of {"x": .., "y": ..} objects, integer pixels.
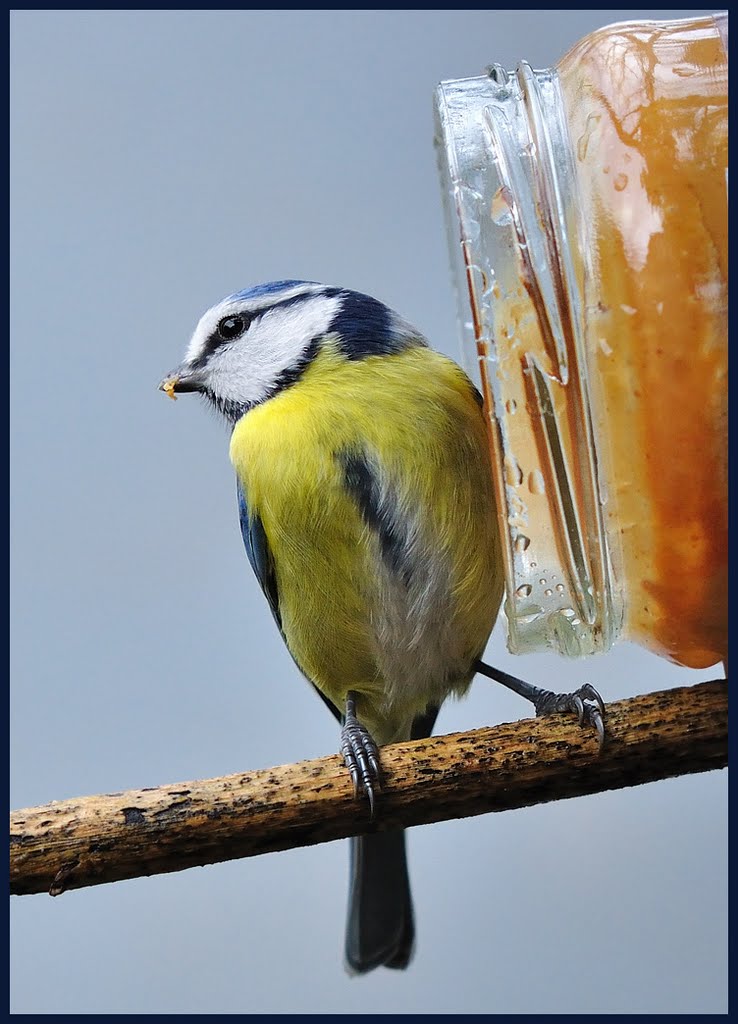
[
  {"x": 257, "y": 548},
  {"x": 259, "y": 554}
]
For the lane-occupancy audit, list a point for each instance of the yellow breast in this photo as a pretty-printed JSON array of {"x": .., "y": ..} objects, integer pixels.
[{"x": 401, "y": 636}]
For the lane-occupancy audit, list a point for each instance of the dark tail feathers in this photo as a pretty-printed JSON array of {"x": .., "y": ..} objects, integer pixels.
[{"x": 380, "y": 929}]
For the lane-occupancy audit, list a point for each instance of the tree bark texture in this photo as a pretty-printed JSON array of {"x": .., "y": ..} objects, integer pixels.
[{"x": 69, "y": 844}]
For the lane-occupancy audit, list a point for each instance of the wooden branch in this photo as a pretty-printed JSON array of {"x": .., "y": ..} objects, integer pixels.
[{"x": 74, "y": 843}]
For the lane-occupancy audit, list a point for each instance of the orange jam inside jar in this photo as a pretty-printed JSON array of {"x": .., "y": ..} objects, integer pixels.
[{"x": 587, "y": 207}]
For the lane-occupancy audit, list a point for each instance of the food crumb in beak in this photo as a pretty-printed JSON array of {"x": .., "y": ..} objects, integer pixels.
[{"x": 168, "y": 388}]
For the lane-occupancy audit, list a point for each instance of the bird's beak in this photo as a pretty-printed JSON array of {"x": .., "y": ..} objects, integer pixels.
[{"x": 182, "y": 380}]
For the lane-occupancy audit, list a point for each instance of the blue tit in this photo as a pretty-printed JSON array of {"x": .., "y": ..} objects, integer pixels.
[{"x": 368, "y": 514}]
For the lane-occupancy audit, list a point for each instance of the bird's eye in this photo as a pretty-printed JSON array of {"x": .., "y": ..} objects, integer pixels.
[{"x": 231, "y": 327}]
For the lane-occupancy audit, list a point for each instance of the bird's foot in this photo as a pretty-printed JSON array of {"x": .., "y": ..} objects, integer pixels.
[
  {"x": 361, "y": 755},
  {"x": 586, "y": 703}
]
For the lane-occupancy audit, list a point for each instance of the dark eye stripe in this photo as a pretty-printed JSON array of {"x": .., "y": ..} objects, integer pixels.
[{"x": 217, "y": 340}]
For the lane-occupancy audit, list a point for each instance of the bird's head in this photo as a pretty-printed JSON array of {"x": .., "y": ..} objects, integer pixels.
[{"x": 252, "y": 345}]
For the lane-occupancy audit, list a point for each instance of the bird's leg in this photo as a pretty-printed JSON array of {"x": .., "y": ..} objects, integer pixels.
[
  {"x": 360, "y": 754},
  {"x": 585, "y": 702}
]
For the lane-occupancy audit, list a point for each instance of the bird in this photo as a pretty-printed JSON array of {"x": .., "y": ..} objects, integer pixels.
[{"x": 367, "y": 509}]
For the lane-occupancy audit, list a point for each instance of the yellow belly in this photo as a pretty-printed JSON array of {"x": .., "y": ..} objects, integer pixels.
[{"x": 351, "y": 621}]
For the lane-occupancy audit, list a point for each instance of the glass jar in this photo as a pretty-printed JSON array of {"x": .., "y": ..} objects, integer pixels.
[{"x": 587, "y": 212}]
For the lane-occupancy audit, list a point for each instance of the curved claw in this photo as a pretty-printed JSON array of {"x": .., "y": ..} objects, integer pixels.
[
  {"x": 589, "y": 693},
  {"x": 585, "y": 702},
  {"x": 594, "y": 717},
  {"x": 361, "y": 757},
  {"x": 599, "y": 725}
]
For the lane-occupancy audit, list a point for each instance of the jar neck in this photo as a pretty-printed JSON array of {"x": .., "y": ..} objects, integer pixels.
[{"x": 511, "y": 193}]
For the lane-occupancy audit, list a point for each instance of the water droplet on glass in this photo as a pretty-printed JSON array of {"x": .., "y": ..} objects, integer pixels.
[
  {"x": 513, "y": 472},
  {"x": 548, "y": 593},
  {"x": 522, "y": 543},
  {"x": 524, "y": 590},
  {"x": 533, "y": 565},
  {"x": 620, "y": 182},
  {"x": 560, "y": 587},
  {"x": 605, "y": 348},
  {"x": 536, "y": 483},
  {"x": 511, "y": 405},
  {"x": 628, "y": 310},
  {"x": 542, "y": 582}
]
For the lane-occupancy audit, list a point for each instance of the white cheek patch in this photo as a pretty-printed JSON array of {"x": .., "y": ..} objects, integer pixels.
[
  {"x": 247, "y": 370},
  {"x": 232, "y": 306}
]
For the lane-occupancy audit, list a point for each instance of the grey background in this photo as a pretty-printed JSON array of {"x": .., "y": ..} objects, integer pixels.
[{"x": 161, "y": 160}]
